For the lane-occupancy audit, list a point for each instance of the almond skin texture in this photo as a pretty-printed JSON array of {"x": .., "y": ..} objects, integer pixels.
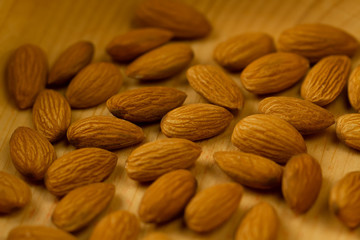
[
  {"x": 167, "y": 196},
  {"x": 104, "y": 132},
  {"x": 14, "y": 192},
  {"x": 26, "y": 73},
  {"x": 82, "y": 205},
  {"x": 264, "y": 215},
  {"x": 160, "y": 63},
  {"x": 301, "y": 182},
  {"x": 213, "y": 206},
  {"x": 196, "y": 121},
  {"x": 215, "y": 85},
  {"x": 249, "y": 169},
  {"x": 181, "y": 19},
  {"x": 93, "y": 85},
  {"x": 315, "y": 41},
  {"x": 305, "y": 116},
  {"x": 345, "y": 199},
  {"x": 326, "y": 80},
  {"x": 132, "y": 44},
  {"x": 38, "y": 233},
  {"x": 79, "y": 168},
  {"x": 274, "y": 72},
  {"x": 70, "y": 62},
  {"x": 354, "y": 89},
  {"x": 51, "y": 115},
  {"x": 268, "y": 136},
  {"x": 348, "y": 129},
  {"x": 146, "y": 104},
  {"x": 31, "y": 153},
  {"x": 151, "y": 160},
  {"x": 239, "y": 51}
]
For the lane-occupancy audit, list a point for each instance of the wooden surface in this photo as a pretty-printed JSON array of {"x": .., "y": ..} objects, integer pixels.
[{"x": 56, "y": 24}]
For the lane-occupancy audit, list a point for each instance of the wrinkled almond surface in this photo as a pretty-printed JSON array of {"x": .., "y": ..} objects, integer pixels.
[
  {"x": 348, "y": 129},
  {"x": 354, "y": 88},
  {"x": 27, "y": 232}
]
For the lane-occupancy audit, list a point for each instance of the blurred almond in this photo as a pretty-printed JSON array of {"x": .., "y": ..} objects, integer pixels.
[
  {"x": 26, "y": 232},
  {"x": 354, "y": 89},
  {"x": 156, "y": 236},
  {"x": 348, "y": 129}
]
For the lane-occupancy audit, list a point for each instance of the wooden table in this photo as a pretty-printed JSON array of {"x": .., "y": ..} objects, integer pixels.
[{"x": 56, "y": 24}]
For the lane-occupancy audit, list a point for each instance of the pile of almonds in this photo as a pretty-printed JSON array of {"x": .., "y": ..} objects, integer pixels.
[{"x": 273, "y": 153}]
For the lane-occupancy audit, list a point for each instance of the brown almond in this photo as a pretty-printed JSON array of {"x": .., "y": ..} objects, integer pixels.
[
  {"x": 195, "y": 121},
  {"x": 26, "y": 232},
  {"x": 348, "y": 129},
  {"x": 31, "y": 153},
  {"x": 268, "y": 136},
  {"x": 274, "y": 72},
  {"x": 326, "y": 80},
  {"x": 215, "y": 85},
  {"x": 145, "y": 104},
  {"x": 354, "y": 89},
  {"x": 79, "y": 168},
  {"x": 249, "y": 169},
  {"x": 151, "y": 160},
  {"x": 104, "y": 132},
  {"x": 157, "y": 236}
]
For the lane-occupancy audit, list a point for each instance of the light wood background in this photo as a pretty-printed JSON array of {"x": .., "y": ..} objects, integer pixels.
[{"x": 55, "y": 24}]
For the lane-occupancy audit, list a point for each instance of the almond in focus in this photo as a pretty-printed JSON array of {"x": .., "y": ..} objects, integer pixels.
[{"x": 348, "y": 129}]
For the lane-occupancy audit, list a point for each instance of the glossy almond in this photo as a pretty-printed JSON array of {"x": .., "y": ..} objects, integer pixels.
[
  {"x": 348, "y": 129},
  {"x": 27, "y": 232},
  {"x": 354, "y": 89},
  {"x": 151, "y": 160}
]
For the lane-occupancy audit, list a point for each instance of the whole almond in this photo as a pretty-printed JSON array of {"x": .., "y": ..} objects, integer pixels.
[
  {"x": 132, "y": 44},
  {"x": 274, "y": 72},
  {"x": 82, "y": 205},
  {"x": 162, "y": 62},
  {"x": 215, "y": 85},
  {"x": 345, "y": 199},
  {"x": 249, "y": 169},
  {"x": 15, "y": 193},
  {"x": 151, "y": 160},
  {"x": 26, "y": 232},
  {"x": 348, "y": 129},
  {"x": 51, "y": 115},
  {"x": 195, "y": 121},
  {"x": 213, "y": 206},
  {"x": 70, "y": 62},
  {"x": 119, "y": 225},
  {"x": 104, "y": 132},
  {"x": 326, "y": 80},
  {"x": 167, "y": 196},
  {"x": 315, "y": 41},
  {"x": 26, "y": 73},
  {"x": 301, "y": 182},
  {"x": 239, "y": 51},
  {"x": 145, "y": 104},
  {"x": 93, "y": 85},
  {"x": 354, "y": 88},
  {"x": 181, "y": 19},
  {"x": 268, "y": 136},
  {"x": 157, "y": 236},
  {"x": 79, "y": 168},
  {"x": 264, "y": 215},
  {"x": 305, "y": 116},
  {"x": 31, "y": 153}
]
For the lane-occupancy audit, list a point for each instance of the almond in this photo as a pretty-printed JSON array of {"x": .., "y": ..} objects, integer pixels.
[
  {"x": 26, "y": 73},
  {"x": 81, "y": 205},
  {"x": 239, "y": 51},
  {"x": 51, "y": 115},
  {"x": 79, "y": 168},
  {"x": 195, "y": 121},
  {"x": 132, "y": 44},
  {"x": 146, "y": 104},
  {"x": 348, "y": 129},
  {"x": 326, "y": 80},
  {"x": 215, "y": 85},
  {"x": 15, "y": 193},
  {"x": 315, "y": 41},
  {"x": 160, "y": 63},
  {"x": 213, "y": 206},
  {"x": 274, "y": 72},
  {"x": 345, "y": 199},
  {"x": 301, "y": 182},
  {"x": 354, "y": 88},
  {"x": 104, "y": 132},
  {"x": 70, "y": 62},
  {"x": 31, "y": 153},
  {"x": 305, "y": 116},
  {"x": 156, "y": 236},
  {"x": 25, "y": 232},
  {"x": 181, "y": 19},
  {"x": 167, "y": 196},
  {"x": 249, "y": 169},
  {"x": 151, "y": 160},
  {"x": 268, "y": 136},
  {"x": 93, "y": 85}
]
